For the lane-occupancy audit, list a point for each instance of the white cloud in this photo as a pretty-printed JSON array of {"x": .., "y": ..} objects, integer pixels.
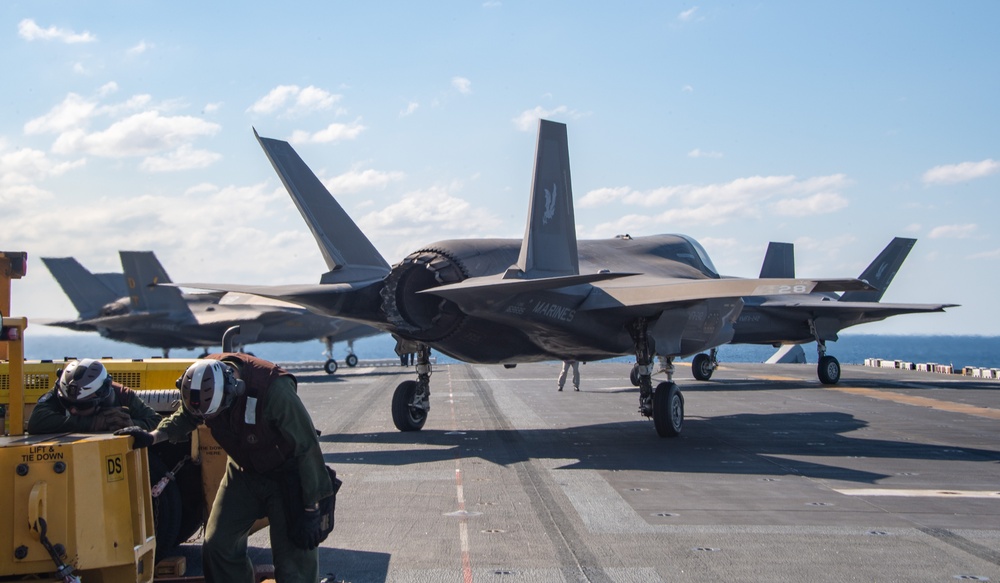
[
  {"x": 30, "y": 31},
  {"x": 73, "y": 112},
  {"x": 715, "y": 204},
  {"x": 687, "y": 89},
  {"x": 357, "y": 180},
  {"x": 687, "y": 15},
  {"x": 994, "y": 254},
  {"x": 527, "y": 120},
  {"x": 697, "y": 153},
  {"x": 334, "y": 132},
  {"x": 953, "y": 231},
  {"x": 139, "y": 49},
  {"x": 817, "y": 204},
  {"x": 462, "y": 85},
  {"x": 602, "y": 196},
  {"x": 409, "y": 109},
  {"x": 430, "y": 214},
  {"x": 141, "y": 134},
  {"x": 953, "y": 173},
  {"x": 294, "y": 100},
  {"x": 26, "y": 166},
  {"x": 184, "y": 157}
]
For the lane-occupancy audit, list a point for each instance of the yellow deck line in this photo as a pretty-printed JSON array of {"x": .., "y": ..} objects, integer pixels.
[{"x": 921, "y": 402}]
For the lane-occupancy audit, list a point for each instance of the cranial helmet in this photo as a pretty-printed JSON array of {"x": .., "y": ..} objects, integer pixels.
[
  {"x": 84, "y": 382},
  {"x": 205, "y": 386}
]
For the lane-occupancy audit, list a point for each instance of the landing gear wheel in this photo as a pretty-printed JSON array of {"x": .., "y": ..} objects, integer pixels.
[
  {"x": 405, "y": 416},
  {"x": 351, "y": 360},
  {"x": 701, "y": 367},
  {"x": 634, "y": 375},
  {"x": 828, "y": 370},
  {"x": 330, "y": 366},
  {"x": 668, "y": 410}
]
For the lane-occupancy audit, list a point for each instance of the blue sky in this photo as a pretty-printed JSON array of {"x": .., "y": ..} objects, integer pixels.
[{"x": 833, "y": 125}]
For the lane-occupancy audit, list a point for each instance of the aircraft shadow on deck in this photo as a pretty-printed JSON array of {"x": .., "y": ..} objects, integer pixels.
[{"x": 749, "y": 444}]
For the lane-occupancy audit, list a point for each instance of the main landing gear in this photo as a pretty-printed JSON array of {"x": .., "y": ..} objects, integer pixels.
[
  {"x": 703, "y": 365},
  {"x": 411, "y": 401},
  {"x": 331, "y": 366},
  {"x": 666, "y": 404},
  {"x": 828, "y": 369}
]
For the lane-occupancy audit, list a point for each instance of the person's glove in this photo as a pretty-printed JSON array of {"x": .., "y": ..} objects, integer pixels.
[
  {"x": 112, "y": 419},
  {"x": 140, "y": 437},
  {"x": 310, "y": 531}
]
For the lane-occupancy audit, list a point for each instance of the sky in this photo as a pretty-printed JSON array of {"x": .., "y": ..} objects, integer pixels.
[{"x": 832, "y": 125}]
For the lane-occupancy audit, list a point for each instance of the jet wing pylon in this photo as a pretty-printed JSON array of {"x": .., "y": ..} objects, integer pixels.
[{"x": 348, "y": 253}]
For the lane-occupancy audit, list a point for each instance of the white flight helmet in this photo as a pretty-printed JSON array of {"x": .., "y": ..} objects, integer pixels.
[
  {"x": 204, "y": 387},
  {"x": 84, "y": 383}
]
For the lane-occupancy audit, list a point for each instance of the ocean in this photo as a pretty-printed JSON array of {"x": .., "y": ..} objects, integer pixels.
[{"x": 959, "y": 351}]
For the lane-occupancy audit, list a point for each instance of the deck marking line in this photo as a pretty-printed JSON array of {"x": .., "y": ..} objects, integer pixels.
[
  {"x": 921, "y": 402},
  {"x": 907, "y": 493}
]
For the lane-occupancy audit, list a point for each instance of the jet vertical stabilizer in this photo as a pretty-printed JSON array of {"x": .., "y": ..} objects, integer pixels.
[
  {"x": 549, "y": 245},
  {"x": 779, "y": 261},
  {"x": 349, "y": 255},
  {"x": 88, "y": 292},
  {"x": 143, "y": 274},
  {"x": 881, "y": 271}
]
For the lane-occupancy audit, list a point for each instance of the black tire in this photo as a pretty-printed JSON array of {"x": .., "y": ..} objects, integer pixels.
[
  {"x": 188, "y": 481},
  {"x": 351, "y": 360},
  {"x": 167, "y": 509},
  {"x": 405, "y": 417},
  {"x": 633, "y": 376},
  {"x": 668, "y": 410},
  {"x": 330, "y": 366},
  {"x": 828, "y": 370},
  {"x": 701, "y": 367}
]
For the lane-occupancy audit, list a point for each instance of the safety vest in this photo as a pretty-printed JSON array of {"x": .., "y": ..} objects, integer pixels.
[{"x": 241, "y": 429}]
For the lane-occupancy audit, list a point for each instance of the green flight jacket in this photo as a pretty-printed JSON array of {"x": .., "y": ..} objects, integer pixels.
[
  {"x": 49, "y": 415},
  {"x": 284, "y": 411}
]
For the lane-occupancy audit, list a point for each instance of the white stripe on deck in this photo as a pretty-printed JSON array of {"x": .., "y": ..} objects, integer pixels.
[{"x": 919, "y": 493}]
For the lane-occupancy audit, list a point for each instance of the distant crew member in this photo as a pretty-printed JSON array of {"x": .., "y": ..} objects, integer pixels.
[
  {"x": 275, "y": 468},
  {"x": 566, "y": 365},
  {"x": 86, "y": 400}
]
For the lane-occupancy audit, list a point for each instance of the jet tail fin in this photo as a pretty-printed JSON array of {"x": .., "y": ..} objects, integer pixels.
[
  {"x": 881, "y": 271},
  {"x": 143, "y": 273},
  {"x": 87, "y": 291},
  {"x": 348, "y": 253},
  {"x": 779, "y": 261},
  {"x": 549, "y": 245}
]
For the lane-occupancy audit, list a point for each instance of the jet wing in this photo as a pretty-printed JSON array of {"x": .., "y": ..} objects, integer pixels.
[
  {"x": 652, "y": 291},
  {"x": 318, "y": 297},
  {"x": 876, "y": 310},
  {"x": 615, "y": 290}
]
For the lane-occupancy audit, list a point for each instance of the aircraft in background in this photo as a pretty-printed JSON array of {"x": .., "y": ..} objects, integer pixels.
[
  {"x": 819, "y": 316},
  {"x": 544, "y": 297},
  {"x": 130, "y": 307}
]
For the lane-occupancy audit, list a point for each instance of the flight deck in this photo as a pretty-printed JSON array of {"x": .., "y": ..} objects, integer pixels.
[{"x": 890, "y": 475}]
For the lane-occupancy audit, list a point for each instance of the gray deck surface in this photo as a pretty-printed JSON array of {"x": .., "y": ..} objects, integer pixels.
[{"x": 888, "y": 476}]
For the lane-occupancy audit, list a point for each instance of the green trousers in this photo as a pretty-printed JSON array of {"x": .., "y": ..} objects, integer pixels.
[{"x": 245, "y": 496}]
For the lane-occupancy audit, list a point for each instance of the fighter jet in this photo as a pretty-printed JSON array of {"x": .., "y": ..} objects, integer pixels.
[
  {"x": 130, "y": 307},
  {"x": 544, "y": 297},
  {"x": 819, "y": 316}
]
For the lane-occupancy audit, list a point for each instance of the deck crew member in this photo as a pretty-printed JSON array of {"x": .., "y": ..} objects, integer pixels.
[
  {"x": 86, "y": 400},
  {"x": 275, "y": 466}
]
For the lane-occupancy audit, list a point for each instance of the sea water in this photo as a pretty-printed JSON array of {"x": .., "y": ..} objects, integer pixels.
[{"x": 959, "y": 351}]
